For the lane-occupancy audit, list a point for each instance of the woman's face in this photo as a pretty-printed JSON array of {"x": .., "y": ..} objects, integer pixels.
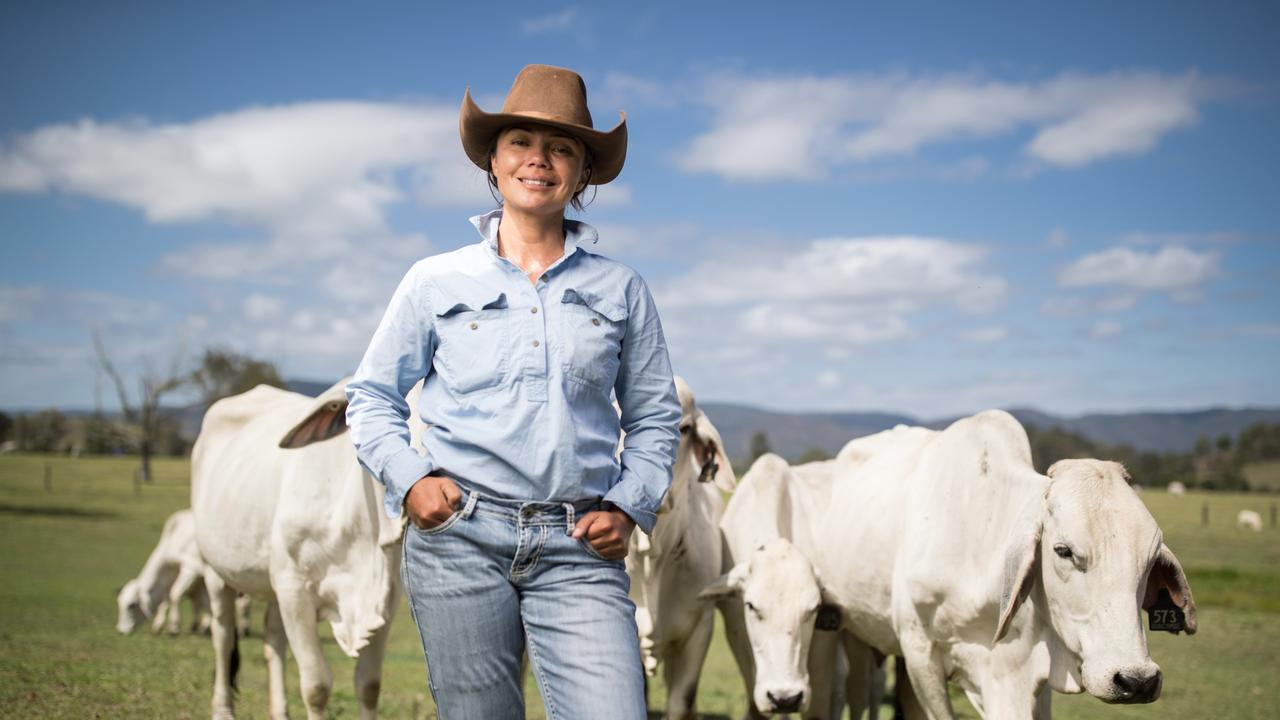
[{"x": 538, "y": 168}]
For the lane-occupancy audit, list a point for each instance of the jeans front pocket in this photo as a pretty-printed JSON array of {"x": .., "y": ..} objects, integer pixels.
[
  {"x": 591, "y": 333},
  {"x": 437, "y": 529}
]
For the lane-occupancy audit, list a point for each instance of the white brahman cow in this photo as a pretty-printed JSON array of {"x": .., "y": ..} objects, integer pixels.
[
  {"x": 1249, "y": 520},
  {"x": 770, "y": 595},
  {"x": 173, "y": 570},
  {"x": 955, "y": 554},
  {"x": 668, "y": 568},
  {"x": 284, "y": 511}
]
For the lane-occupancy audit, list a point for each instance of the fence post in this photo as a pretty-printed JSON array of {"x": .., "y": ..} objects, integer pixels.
[
  {"x": 1204, "y": 514},
  {"x": 48, "y": 478}
]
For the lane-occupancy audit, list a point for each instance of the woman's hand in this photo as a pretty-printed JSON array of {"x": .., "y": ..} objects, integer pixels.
[
  {"x": 608, "y": 531},
  {"x": 432, "y": 500}
]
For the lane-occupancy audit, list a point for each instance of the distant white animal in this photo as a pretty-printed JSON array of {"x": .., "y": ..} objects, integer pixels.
[
  {"x": 173, "y": 571},
  {"x": 1176, "y": 488},
  {"x": 284, "y": 511},
  {"x": 975, "y": 568},
  {"x": 668, "y": 568},
  {"x": 1249, "y": 520}
]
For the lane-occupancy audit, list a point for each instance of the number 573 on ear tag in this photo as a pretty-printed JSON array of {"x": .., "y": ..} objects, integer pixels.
[{"x": 1165, "y": 615}]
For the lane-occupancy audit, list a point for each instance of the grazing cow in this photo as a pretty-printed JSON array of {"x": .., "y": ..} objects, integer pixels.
[
  {"x": 770, "y": 595},
  {"x": 668, "y": 568},
  {"x": 955, "y": 554},
  {"x": 284, "y": 511},
  {"x": 1249, "y": 520},
  {"x": 173, "y": 571}
]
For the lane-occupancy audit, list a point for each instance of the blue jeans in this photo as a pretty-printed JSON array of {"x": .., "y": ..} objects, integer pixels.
[{"x": 500, "y": 576}]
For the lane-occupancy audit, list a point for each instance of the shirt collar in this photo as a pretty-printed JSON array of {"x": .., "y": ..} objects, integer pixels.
[{"x": 576, "y": 232}]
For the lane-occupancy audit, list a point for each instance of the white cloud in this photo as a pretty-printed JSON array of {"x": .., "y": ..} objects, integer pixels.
[
  {"x": 1105, "y": 329},
  {"x": 317, "y": 177},
  {"x": 1171, "y": 268},
  {"x": 985, "y": 335},
  {"x": 828, "y": 379},
  {"x": 800, "y": 127},
  {"x": 893, "y": 274},
  {"x": 554, "y": 22}
]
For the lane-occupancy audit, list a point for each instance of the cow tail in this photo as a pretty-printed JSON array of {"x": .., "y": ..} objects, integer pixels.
[{"x": 234, "y": 670}]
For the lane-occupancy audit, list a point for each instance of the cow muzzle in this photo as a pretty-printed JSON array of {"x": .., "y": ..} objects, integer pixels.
[
  {"x": 781, "y": 700},
  {"x": 1133, "y": 688}
]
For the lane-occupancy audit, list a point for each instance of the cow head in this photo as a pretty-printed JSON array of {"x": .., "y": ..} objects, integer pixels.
[
  {"x": 129, "y": 605},
  {"x": 780, "y": 594},
  {"x": 1094, "y": 557},
  {"x": 701, "y": 451}
]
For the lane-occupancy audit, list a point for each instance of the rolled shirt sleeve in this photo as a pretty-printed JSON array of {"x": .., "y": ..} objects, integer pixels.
[
  {"x": 646, "y": 393},
  {"x": 399, "y": 355}
]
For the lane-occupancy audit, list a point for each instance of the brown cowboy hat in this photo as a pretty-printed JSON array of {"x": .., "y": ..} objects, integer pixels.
[{"x": 548, "y": 96}]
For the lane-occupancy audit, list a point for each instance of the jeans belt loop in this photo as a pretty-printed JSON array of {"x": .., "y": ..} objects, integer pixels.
[
  {"x": 569, "y": 521},
  {"x": 470, "y": 506}
]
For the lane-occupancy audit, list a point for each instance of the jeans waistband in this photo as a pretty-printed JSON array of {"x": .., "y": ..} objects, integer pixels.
[{"x": 528, "y": 512}]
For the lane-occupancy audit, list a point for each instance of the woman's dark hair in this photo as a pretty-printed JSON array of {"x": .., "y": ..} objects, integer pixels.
[{"x": 575, "y": 202}]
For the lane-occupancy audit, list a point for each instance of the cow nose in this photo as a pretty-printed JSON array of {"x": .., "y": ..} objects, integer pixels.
[
  {"x": 785, "y": 702},
  {"x": 1137, "y": 688}
]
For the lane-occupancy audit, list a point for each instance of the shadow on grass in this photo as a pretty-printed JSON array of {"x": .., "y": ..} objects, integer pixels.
[{"x": 54, "y": 511}]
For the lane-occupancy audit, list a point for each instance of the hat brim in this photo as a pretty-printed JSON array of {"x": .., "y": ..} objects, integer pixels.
[{"x": 477, "y": 127}]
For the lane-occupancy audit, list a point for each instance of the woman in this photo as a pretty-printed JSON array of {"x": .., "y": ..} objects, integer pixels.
[{"x": 520, "y": 514}]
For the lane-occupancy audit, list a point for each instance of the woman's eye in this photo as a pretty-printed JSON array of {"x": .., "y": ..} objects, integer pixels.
[{"x": 1063, "y": 551}]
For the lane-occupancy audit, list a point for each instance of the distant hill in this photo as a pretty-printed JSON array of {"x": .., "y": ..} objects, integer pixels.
[{"x": 792, "y": 434}]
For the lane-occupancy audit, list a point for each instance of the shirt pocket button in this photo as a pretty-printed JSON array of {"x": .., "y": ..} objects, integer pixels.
[
  {"x": 595, "y": 321},
  {"x": 475, "y": 325}
]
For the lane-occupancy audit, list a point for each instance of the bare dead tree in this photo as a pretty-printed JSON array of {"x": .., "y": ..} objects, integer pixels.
[{"x": 144, "y": 418}]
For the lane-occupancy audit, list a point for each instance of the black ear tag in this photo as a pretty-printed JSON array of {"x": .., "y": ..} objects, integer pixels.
[
  {"x": 828, "y": 618},
  {"x": 1165, "y": 615}
]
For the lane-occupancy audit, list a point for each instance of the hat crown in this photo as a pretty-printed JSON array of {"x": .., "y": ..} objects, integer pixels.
[{"x": 552, "y": 93}]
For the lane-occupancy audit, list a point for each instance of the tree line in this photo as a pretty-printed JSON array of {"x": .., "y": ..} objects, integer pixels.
[{"x": 140, "y": 426}]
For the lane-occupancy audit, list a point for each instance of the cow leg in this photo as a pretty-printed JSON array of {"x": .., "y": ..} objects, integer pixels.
[
  {"x": 823, "y": 677},
  {"x": 905, "y": 695},
  {"x": 161, "y": 617},
  {"x": 243, "y": 608},
  {"x": 275, "y": 648},
  {"x": 683, "y": 667},
  {"x": 221, "y": 602},
  {"x": 368, "y": 676},
  {"x": 187, "y": 577},
  {"x": 928, "y": 674},
  {"x": 860, "y": 686},
  {"x": 299, "y": 613},
  {"x": 201, "y": 619}
]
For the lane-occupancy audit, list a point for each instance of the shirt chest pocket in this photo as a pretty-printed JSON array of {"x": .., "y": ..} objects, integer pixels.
[
  {"x": 474, "y": 351},
  {"x": 591, "y": 331}
]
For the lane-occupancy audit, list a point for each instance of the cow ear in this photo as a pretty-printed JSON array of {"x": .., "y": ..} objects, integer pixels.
[
  {"x": 1021, "y": 566},
  {"x": 728, "y": 584},
  {"x": 1166, "y": 574},
  {"x": 326, "y": 421},
  {"x": 1054, "y": 468}
]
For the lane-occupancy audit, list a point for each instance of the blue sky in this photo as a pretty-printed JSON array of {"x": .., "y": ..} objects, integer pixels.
[{"x": 927, "y": 208}]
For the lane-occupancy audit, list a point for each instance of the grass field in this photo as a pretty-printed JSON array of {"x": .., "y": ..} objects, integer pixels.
[{"x": 65, "y": 550}]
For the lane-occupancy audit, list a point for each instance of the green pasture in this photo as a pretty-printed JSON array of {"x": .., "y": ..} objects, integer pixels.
[{"x": 66, "y": 547}]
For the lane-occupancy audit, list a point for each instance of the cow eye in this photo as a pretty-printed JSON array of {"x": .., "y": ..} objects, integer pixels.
[
  {"x": 684, "y": 429},
  {"x": 1063, "y": 551},
  {"x": 753, "y": 608}
]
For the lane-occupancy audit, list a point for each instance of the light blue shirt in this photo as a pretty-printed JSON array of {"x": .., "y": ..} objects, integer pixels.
[{"x": 518, "y": 379}]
